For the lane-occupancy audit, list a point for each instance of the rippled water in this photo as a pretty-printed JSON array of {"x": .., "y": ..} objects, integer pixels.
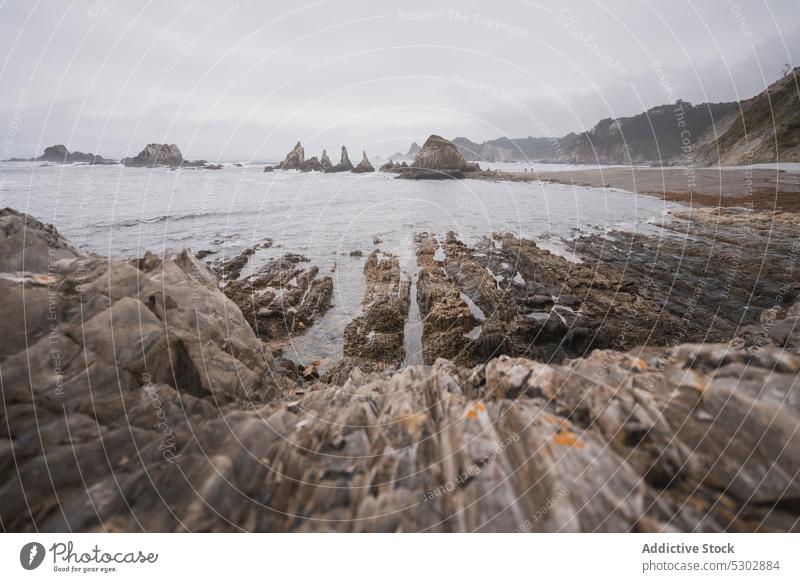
[{"x": 122, "y": 212}]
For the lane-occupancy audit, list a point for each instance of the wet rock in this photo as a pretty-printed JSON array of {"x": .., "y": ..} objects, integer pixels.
[
  {"x": 712, "y": 277},
  {"x": 283, "y": 298},
  {"x": 363, "y": 166},
  {"x": 447, "y": 319},
  {"x": 357, "y": 253},
  {"x": 268, "y": 168},
  {"x": 377, "y": 334},
  {"x": 154, "y": 393},
  {"x": 421, "y": 174},
  {"x": 231, "y": 269},
  {"x": 155, "y": 154}
]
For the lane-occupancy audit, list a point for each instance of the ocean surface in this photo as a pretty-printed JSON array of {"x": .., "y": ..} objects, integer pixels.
[{"x": 123, "y": 212}]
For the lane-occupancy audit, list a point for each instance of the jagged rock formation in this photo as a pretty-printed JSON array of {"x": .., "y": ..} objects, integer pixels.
[
  {"x": 377, "y": 334},
  {"x": 344, "y": 164},
  {"x": 440, "y": 154},
  {"x": 294, "y": 159},
  {"x": 363, "y": 166},
  {"x": 152, "y": 406},
  {"x": 312, "y": 164},
  {"x": 438, "y": 159},
  {"x": 281, "y": 299},
  {"x": 325, "y": 162},
  {"x": 156, "y": 154}
]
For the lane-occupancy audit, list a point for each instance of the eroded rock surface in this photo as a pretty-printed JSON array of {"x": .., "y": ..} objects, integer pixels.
[
  {"x": 156, "y": 154},
  {"x": 439, "y": 159},
  {"x": 294, "y": 159},
  {"x": 325, "y": 162},
  {"x": 282, "y": 298},
  {"x": 344, "y": 165},
  {"x": 153, "y": 406},
  {"x": 377, "y": 334}
]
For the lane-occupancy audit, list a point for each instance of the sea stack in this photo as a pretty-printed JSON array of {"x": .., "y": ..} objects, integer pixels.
[
  {"x": 439, "y": 159},
  {"x": 55, "y": 153},
  {"x": 294, "y": 159},
  {"x": 156, "y": 154},
  {"x": 344, "y": 164},
  {"x": 312, "y": 164},
  {"x": 364, "y": 166},
  {"x": 325, "y": 162},
  {"x": 59, "y": 154}
]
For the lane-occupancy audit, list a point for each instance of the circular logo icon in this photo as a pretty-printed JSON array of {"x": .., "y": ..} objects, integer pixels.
[{"x": 31, "y": 555}]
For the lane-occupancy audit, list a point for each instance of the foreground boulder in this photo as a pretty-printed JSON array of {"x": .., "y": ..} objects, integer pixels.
[{"x": 156, "y": 154}]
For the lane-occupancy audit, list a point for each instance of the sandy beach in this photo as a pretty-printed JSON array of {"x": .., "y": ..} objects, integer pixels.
[{"x": 759, "y": 188}]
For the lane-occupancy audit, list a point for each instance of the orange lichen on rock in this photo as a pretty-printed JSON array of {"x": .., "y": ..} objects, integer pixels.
[
  {"x": 476, "y": 409},
  {"x": 567, "y": 438}
]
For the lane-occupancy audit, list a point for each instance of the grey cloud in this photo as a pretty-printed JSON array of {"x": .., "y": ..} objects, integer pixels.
[{"x": 248, "y": 79}]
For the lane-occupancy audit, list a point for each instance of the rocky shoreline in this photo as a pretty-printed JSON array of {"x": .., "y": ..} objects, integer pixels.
[{"x": 651, "y": 386}]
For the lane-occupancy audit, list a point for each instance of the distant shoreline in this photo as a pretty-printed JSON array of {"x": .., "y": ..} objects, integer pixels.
[{"x": 760, "y": 189}]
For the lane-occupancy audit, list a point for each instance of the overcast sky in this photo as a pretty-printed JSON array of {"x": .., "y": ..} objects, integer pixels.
[{"x": 248, "y": 80}]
